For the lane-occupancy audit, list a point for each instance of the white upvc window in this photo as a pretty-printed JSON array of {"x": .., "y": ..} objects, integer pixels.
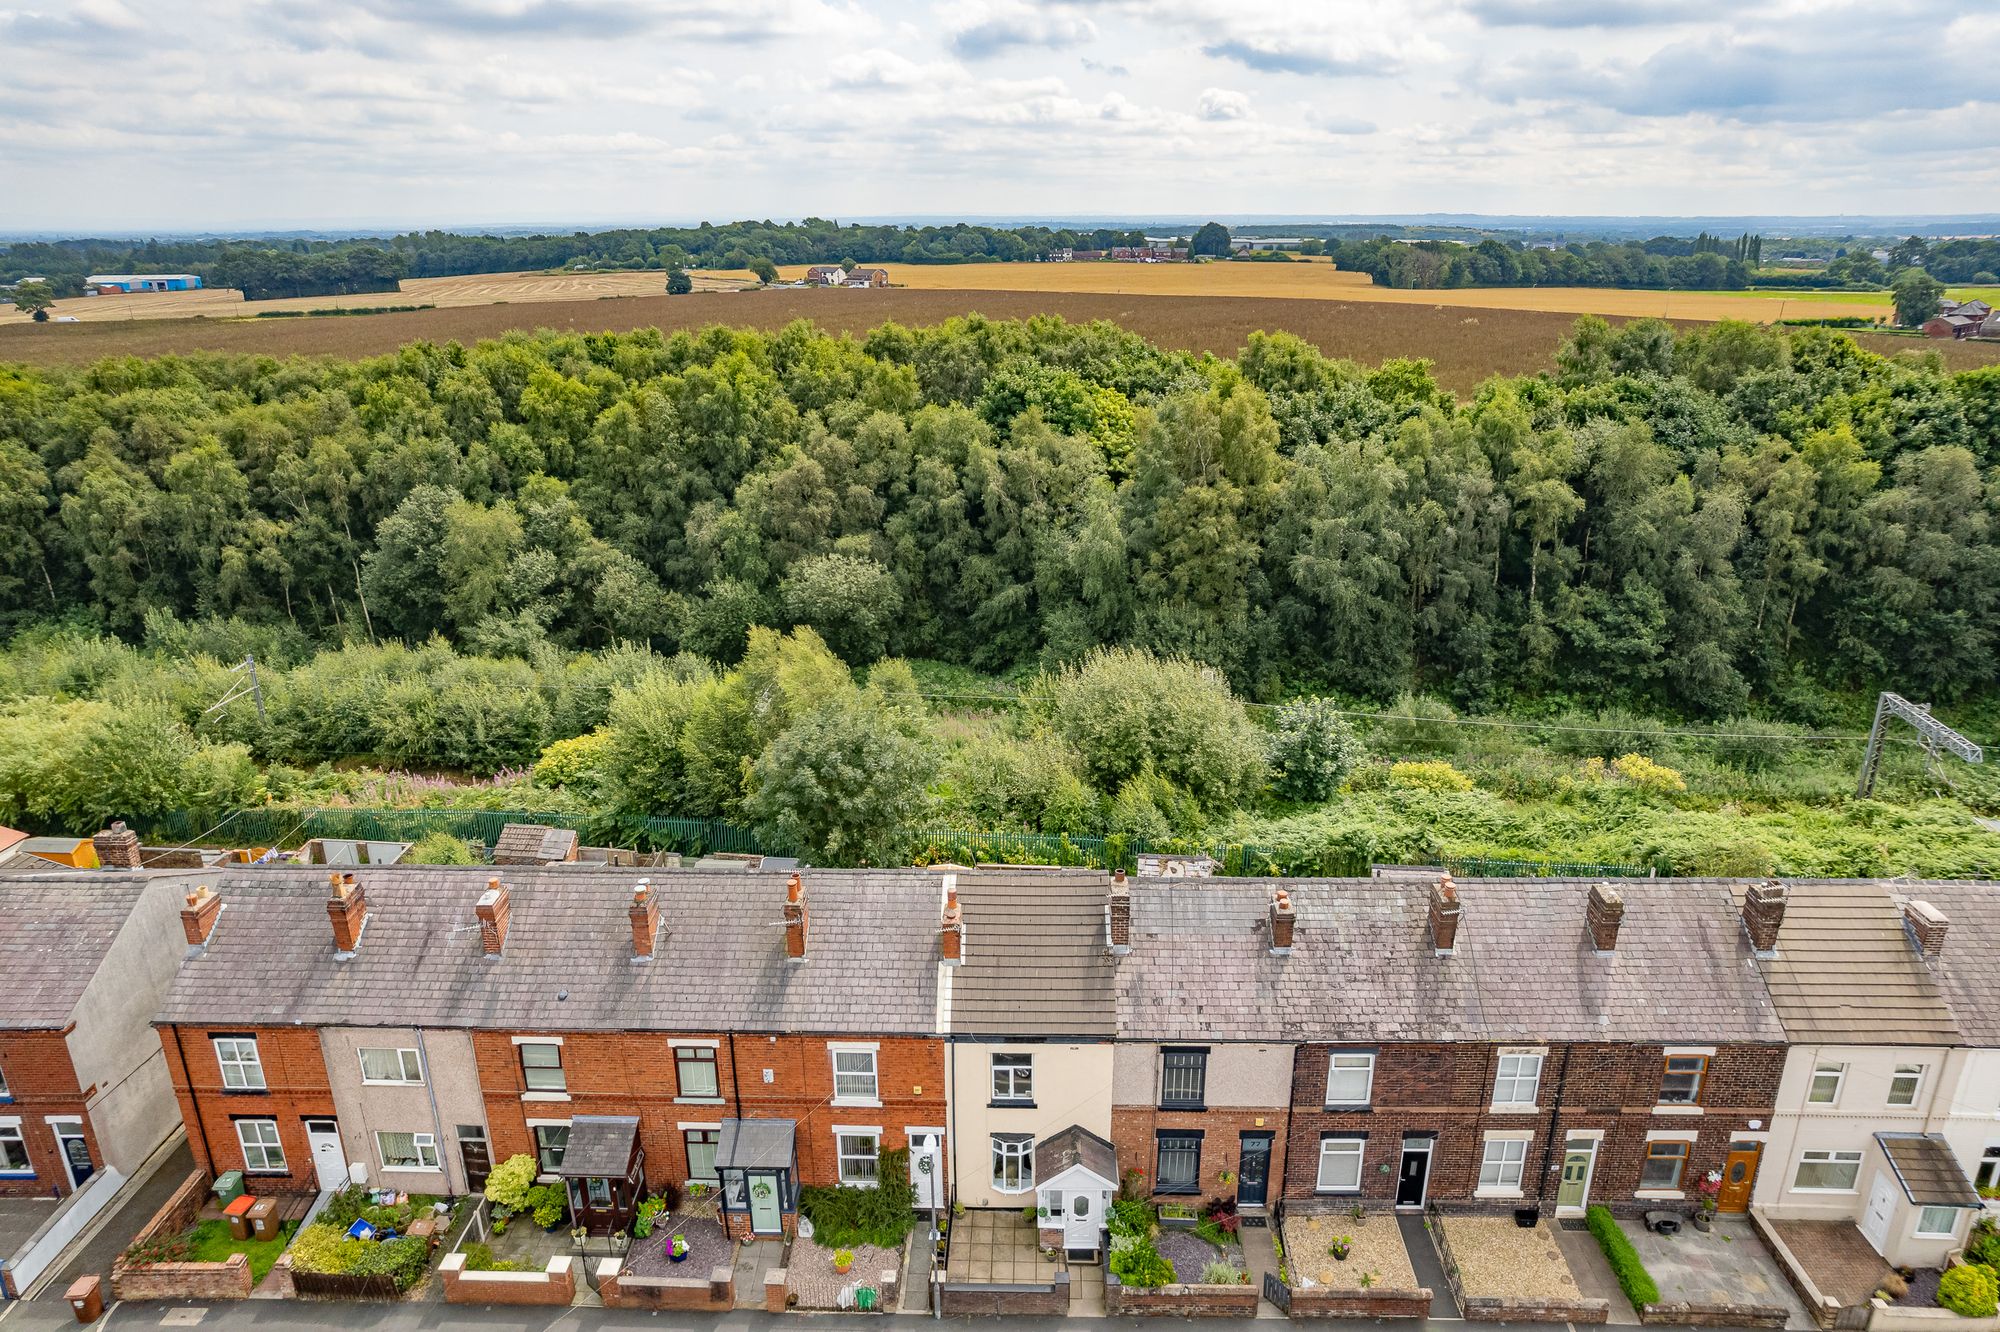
[
  {"x": 13, "y": 1149},
  {"x": 854, "y": 1081},
  {"x": 1827, "y": 1080},
  {"x": 858, "y": 1150},
  {"x": 1350, "y": 1077},
  {"x": 407, "y": 1151},
  {"x": 1518, "y": 1079},
  {"x": 400, "y": 1066},
  {"x": 1014, "y": 1078},
  {"x": 1989, "y": 1169},
  {"x": 263, "y": 1153},
  {"x": 1013, "y": 1162},
  {"x": 1904, "y": 1084},
  {"x": 242, "y": 1070},
  {"x": 1340, "y": 1164},
  {"x": 1827, "y": 1172},
  {"x": 1937, "y": 1222},
  {"x": 5, "y": 1095},
  {"x": 1501, "y": 1165}
]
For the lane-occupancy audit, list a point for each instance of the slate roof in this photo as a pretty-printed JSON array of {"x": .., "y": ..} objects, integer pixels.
[
  {"x": 754, "y": 1143},
  {"x": 600, "y": 1146},
  {"x": 1073, "y": 1146},
  {"x": 871, "y": 965},
  {"x": 1930, "y": 1175},
  {"x": 54, "y": 935},
  {"x": 1037, "y": 960},
  {"x": 533, "y": 844},
  {"x": 1362, "y": 966},
  {"x": 1965, "y": 969},
  {"x": 1846, "y": 972}
]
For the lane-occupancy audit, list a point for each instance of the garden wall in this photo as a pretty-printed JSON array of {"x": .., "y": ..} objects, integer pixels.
[
  {"x": 556, "y": 1285},
  {"x": 1896, "y": 1318},
  {"x": 621, "y": 1290},
  {"x": 1505, "y": 1309},
  {"x": 1320, "y": 1302},
  {"x": 1727, "y": 1315},
  {"x": 968, "y": 1298},
  {"x": 1180, "y": 1301},
  {"x": 228, "y": 1280}
]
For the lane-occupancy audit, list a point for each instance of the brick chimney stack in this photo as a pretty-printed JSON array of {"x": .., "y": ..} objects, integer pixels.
[
  {"x": 492, "y": 912},
  {"x": 1764, "y": 916},
  {"x": 1926, "y": 926},
  {"x": 1604, "y": 914},
  {"x": 951, "y": 925},
  {"x": 198, "y": 916},
  {"x": 795, "y": 919},
  {"x": 1118, "y": 915},
  {"x": 645, "y": 913},
  {"x": 1445, "y": 911},
  {"x": 118, "y": 848},
  {"x": 1283, "y": 921},
  {"x": 347, "y": 908}
]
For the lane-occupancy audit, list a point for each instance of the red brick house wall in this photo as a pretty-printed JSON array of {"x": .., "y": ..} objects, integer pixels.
[
  {"x": 41, "y": 1082},
  {"x": 1133, "y": 1128},
  {"x": 1447, "y": 1089},
  {"x": 296, "y": 1088},
  {"x": 909, "y": 1073}
]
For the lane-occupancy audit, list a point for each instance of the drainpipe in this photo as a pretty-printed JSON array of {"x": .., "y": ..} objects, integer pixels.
[
  {"x": 200, "y": 1125},
  {"x": 437, "y": 1122},
  {"x": 1555, "y": 1122}
]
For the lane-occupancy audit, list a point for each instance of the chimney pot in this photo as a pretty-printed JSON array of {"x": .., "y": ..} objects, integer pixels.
[
  {"x": 1445, "y": 913},
  {"x": 1764, "y": 915},
  {"x": 1284, "y": 920},
  {"x": 1119, "y": 915},
  {"x": 118, "y": 848},
  {"x": 347, "y": 908},
  {"x": 645, "y": 914},
  {"x": 492, "y": 912},
  {"x": 951, "y": 926},
  {"x": 795, "y": 919},
  {"x": 1926, "y": 926},
  {"x": 198, "y": 916},
  {"x": 1604, "y": 913}
]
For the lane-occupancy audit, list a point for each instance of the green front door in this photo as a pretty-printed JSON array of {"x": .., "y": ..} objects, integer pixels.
[{"x": 1575, "y": 1180}]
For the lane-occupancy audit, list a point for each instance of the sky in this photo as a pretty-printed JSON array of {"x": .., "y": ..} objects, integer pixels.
[{"x": 236, "y": 114}]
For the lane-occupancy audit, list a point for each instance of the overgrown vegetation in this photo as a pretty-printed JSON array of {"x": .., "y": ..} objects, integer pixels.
[
  {"x": 882, "y": 1216},
  {"x": 1633, "y": 1278}
]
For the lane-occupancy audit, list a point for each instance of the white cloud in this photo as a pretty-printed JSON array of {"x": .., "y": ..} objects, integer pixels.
[{"x": 1223, "y": 104}]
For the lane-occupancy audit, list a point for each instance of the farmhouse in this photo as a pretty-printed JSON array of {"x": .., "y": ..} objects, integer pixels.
[
  {"x": 868, "y": 277},
  {"x": 118, "y": 284},
  {"x": 826, "y": 275}
]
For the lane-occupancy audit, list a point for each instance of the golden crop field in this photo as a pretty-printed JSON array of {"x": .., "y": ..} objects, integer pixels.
[
  {"x": 444, "y": 293},
  {"x": 1320, "y": 281}
]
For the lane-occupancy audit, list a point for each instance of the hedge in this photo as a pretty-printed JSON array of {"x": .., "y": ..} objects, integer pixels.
[
  {"x": 321, "y": 1248},
  {"x": 1633, "y": 1278}
]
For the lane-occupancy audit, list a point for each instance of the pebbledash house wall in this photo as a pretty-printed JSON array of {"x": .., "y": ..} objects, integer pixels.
[
  {"x": 447, "y": 1097},
  {"x": 1248, "y": 1090},
  {"x": 778, "y": 1077},
  {"x": 296, "y": 1089},
  {"x": 41, "y": 1084},
  {"x": 1609, "y": 1093}
]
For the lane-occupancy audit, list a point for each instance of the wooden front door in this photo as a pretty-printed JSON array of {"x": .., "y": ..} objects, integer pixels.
[{"x": 1739, "y": 1175}]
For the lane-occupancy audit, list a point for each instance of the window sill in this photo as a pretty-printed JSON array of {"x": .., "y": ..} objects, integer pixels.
[
  {"x": 1676, "y": 1108},
  {"x": 1183, "y": 1107},
  {"x": 855, "y": 1103},
  {"x": 1823, "y": 1193},
  {"x": 698, "y": 1100},
  {"x": 267, "y": 1174},
  {"x": 1498, "y": 1193},
  {"x": 1349, "y": 1108},
  {"x": 1660, "y": 1195},
  {"x": 1330, "y": 1192},
  {"x": 388, "y": 1082},
  {"x": 548, "y": 1096},
  {"x": 1513, "y": 1108},
  {"x": 245, "y": 1091},
  {"x": 1014, "y": 1193},
  {"x": 17, "y": 1174},
  {"x": 1190, "y": 1191},
  {"x": 412, "y": 1170},
  {"x": 1010, "y": 1105}
]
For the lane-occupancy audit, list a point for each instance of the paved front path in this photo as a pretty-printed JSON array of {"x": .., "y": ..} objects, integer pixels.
[
  {"x": 1587, "y": 1264},
  {"x": 1260, "y": 1255},
  {"x": 1728, "y": 1265},
  {"x": 1424, "y": 1259}
]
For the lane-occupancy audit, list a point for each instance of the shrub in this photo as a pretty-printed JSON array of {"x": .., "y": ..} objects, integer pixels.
[
  {"x": 1140, "y": 1265},
  {"x": 548, "y": 1202},
  {"x": 881, "y": 1216},
  {"x": 1435, "y": 775},
  {"x": 511, "y": 1182},
  {"x": 479, "y": 1258},
  {"x": 1219, "y": 1273},
  {"x": 1648, "y": 776},
  {"x": 1633, "y": 1278},
  {"x": 1969, "y": 1291},
  {"x": 1130, "y": 1216},
  {"x": 320, "y": 1248},
  {"x": 1984, "y": 1245},
  {"x": 440, "y": 848},
  {"x": 1313, "y": 751}
]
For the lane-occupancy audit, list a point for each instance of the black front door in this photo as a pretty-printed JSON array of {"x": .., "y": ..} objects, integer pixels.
[
  {"x": 1416, "y": 1169},
  {"x": 1253, "y": 1174}
]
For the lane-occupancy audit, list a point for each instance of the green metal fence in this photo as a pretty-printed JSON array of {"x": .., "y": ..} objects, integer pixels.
[{"x": 1479, "y": 867}]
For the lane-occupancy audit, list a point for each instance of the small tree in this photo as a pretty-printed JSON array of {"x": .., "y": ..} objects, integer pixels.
[
  {"x": 842, "y": 780},
  {"x": 678, "y": 282},
  {"x": 1313, "y": 751},
  {"x": 765, "y": 270},
  {"x": 34, "y": 299},
  {"x": 509, "y": 1183},
  {"x": 1918, "y": 296}
]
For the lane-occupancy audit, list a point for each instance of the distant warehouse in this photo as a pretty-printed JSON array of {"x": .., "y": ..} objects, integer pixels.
[{"x": 117, "y": 284}]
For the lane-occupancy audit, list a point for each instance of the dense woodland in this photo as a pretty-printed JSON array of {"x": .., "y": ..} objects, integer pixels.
[{"x": 676, "y": 575}]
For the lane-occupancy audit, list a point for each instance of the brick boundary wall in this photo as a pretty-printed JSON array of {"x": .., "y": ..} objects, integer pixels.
[
  {"x": 1715, "y": 1315},
  {"x": 1501, "y": 1309},
  {"x": 228, "y": 1280},
  {"x": 1823, "y": 1311},
  {"x": 1050, "y": 1301},
  {"x": 619, "y": 1290},
  {"x": 1180, "y": 1301},
  {"x": 554, "y": 1286},
  {"x": 1320, "y": 1302}
]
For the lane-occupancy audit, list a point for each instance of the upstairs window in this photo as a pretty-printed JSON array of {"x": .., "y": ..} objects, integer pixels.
[
  {"x": 1904, "y": 1083},
  {"x": 542, "y": 1067},
  {"x": 242, "y": 1070},
  {"x": 1014, "y": 1078},
  {"x": 1350, "y": 1078},
  {"x": 1518, "y": 1079},
  {"x": 694, "y": 1065},
  {"x": 1184, "y": 1079},
  {"x": 1826, "y": 1084},
  {"x": 1681, "y": 1084},
  {"x": 398, "y": 1066},
  {"x": 854, "y": 1076}
]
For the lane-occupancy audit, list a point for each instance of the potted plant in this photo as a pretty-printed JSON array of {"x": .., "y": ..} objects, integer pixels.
[
  {"x": 1338, "y": 1250},
  {"x": 677, "y": 1249},
  {"x": 843, "y": 1259},
  {"x": 1709, "y": 1189}
]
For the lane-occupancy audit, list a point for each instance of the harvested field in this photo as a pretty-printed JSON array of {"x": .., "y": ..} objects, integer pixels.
[
  {"x": 1498, "y": 1258},
  {"x": 1466, "y": 346}
]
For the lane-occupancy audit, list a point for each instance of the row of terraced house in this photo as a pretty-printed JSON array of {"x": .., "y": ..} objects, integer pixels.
[{"x": 1823, "y": 1050}]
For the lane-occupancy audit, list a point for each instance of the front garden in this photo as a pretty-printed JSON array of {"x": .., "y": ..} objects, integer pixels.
[
  {"x": 369, "y": 1243},
  {"x": 1346, "y": 1251},
  {"x": 209, "y": 1241},
  {"x": 1175, "y": 1245},
  {"x": 853, "y": 1256}
]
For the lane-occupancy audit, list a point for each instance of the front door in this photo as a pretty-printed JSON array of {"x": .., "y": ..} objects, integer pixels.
[
  {"x": 329, "y": 1160},
  {"x": 767, "y": 1212},
  {"x": 927, "y": 1168},
  {"x": 1881, "y": 1207},
  {"x": 1739, "y": 1174},
  {"x": 1081, "y": 1222},
  {"x": 1253, "y": 1170},
  {"x": 1416, "y": 1172},
  {"x": 475, "y": 1156},
  {"x": 1574, "y": 1191},
  {"x": 75, "y": 1150}
]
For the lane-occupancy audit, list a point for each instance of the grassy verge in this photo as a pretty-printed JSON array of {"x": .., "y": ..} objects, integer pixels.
[
  {"x": 212, "y": 1243},
  {"x": 1633, "y": 1278}
]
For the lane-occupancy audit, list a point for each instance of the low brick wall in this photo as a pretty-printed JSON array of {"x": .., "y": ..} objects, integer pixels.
[
  {"x": 179, "y": 1211},
  {"x": 1824, "y": 1309},
  {"x": 1717, "y": 1315},
  {"x": 278, "y": 1284},
  {"x": 1504, "y": 1309},
  {"x": 1319, "y": 1302},
  {"x": 229, "y": 1280},
  {"x": 966, "y": 1298},
  {"x": 1180, "y": 1301},
  {"x": 621, "y": 1290},
  {"x": 1901, "y": 1318},
  {"x": 554, "y": 1285}
]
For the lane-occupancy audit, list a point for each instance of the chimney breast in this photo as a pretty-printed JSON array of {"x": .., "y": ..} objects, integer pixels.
[
  {"x": 1445, "y": 910},
  {"x": 118, "y": 848},
  {"x": 1764, "y": 915},
  {"x": 645, "y": 915},
  {"x": 1119, "y": 915},
  {"x": 1604, "y": 914},
  {"x": 492, "y": 912},
  {"x": 198, "y": 916},
  {"x": 1284, "y": 919},
  {"x": 347, "y": 908},
  {"x": 795, "y": 918},
  {"x": 951, "y": 926},
  {"x": 1926, "y": 926}
]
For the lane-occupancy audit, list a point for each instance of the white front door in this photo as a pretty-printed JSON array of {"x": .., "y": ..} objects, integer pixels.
[
  {"x": 329, "y": 1161},
  {"x": 1881, "y": 1207},
  {"x": 1081, "y": 1221},
  {"x": 927, "y": 1167}
]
